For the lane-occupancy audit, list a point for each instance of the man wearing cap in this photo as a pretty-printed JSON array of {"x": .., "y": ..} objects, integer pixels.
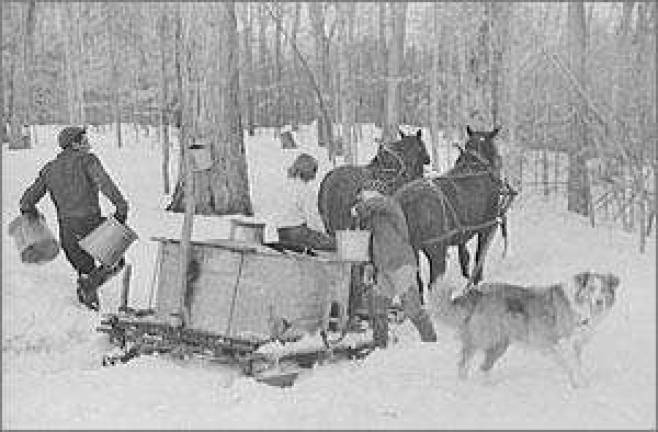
[
  {"x": 73, "y": 180},
  {"x": 298, "y": 226},
  {"x": 395, "y": 262}
]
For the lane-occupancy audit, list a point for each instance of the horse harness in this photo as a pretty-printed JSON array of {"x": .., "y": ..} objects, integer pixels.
[
  {"x": 384, "y": 185},
  {"x": 506, "y": 195}
]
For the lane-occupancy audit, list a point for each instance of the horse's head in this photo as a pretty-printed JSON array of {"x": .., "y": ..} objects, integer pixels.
[
  {"x": 404, "y": 157},
  {"x": 480, "y": 150}
]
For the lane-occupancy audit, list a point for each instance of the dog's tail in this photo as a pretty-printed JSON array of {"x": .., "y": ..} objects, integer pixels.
[{"x": 449, "y": 311}]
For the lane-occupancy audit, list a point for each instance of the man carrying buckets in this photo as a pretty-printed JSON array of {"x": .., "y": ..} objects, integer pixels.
[
  {"x": 73, "y": 180},
  {"x": 395, "y": 264}
]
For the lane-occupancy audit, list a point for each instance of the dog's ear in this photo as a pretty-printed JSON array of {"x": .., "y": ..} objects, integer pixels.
[
  {"x": 613, "y": 281},
  {"x": 581, "y": 279}
]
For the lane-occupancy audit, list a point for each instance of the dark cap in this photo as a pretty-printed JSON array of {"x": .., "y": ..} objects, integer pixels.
[
  {"x": 304, "y": 167},
  {"x": 69, "y": 135}
]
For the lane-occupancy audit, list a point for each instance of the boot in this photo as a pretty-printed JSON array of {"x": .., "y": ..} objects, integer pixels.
[
  {"x": 380, "y": 330},
  {"x": 87, "y": 294},
  {"x": 424, "y": 325}
]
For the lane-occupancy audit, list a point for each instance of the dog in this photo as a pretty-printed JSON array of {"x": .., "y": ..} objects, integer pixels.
[{"x": 559, "y": 318}]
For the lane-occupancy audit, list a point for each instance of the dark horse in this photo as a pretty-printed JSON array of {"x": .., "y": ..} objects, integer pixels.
[
  {"x": 394, "y": 165},
  {"x": 450, "y": 209}
]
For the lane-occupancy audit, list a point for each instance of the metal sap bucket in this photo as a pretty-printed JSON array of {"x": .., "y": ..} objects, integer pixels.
[
  {"x": 353, "y": 245},
  {"x": 109, "y": 241},
  {"x": 33, "y": 239}
]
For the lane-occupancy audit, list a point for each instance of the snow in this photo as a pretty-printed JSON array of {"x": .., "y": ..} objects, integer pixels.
[{"x": 52, "y": 377}]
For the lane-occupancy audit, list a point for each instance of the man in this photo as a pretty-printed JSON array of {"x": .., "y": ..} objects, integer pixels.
[
  {"x": 73, "y": 180},
  {"x": 300, "y": 213},
  {"x": 395, "y": 264}
]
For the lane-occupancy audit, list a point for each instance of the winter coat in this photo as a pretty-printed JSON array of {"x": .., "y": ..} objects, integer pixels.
[
  {"x": 392, "y": 254},
  {"x": 73, "y": 180}
]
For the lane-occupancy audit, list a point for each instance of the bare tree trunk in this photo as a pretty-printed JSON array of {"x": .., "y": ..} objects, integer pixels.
[
  {"x": 513, "y": 63},
  {"x": 79, "y": 68},
  {"x": 164, "y": 123},
  {"x": 435, "y": 88},
  {"x": 3, "y": 112},
  {"x": 263, "y": 65},
  {"x": 395, "y": 59},
  {"x": 19, "y": 93},
  {"x": 211, "y": 120},
  {"x": 325, "y": 117},
  {"x": 278, "y": 106},
  {"x": 230, "y": 181},
  {"x": 345, "y": 82},
  {"x": 135, "y": 75},
  {"x": 249, "y": 72},
  {"x": 382, "y": 67},
  {"x": 114, "y": 61},
  {"x": 295, "y": 91},
  {"x": 30, "y": 23},
  {"x": 578, "y": 184}
]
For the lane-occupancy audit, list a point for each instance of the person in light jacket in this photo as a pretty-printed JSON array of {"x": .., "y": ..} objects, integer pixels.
[
  {"x": 298, "y": 225},
  {"x": 73, "y": 180}
]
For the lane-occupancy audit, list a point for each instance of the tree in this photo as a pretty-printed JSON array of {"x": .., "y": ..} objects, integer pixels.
[
  {"x": 211, "y": 117},
  {"x": 248, "y": 73},
  {"x": 394, "y": 78},
  {"x": 345, "y": 81},
  {"x": 435, "y": 87},
  {"x": 578, "y": 194},
  {"x": 382, "y": 65},
  {"x": 114, "y": 64},
  {"x": 164, "y": 112},
  {"x": 3, "y": 119},
  {"x": 296, "y": 68},
  {"x": 322, "y": 38}
]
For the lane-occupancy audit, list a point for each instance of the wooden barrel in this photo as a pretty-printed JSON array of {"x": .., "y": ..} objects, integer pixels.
[
  {"x": 33, "y": 239},
  {"x": 109, "y": 241}
]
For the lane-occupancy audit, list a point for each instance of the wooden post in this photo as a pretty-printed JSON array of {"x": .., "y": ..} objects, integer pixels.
[
  {"x": 186, "y": 235},
  {"x": 125, "y": 288}
]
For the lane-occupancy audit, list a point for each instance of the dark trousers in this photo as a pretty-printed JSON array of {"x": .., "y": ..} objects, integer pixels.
[
  {"x": 71, "y": 231},
  {"x": 303, "y": 237}
]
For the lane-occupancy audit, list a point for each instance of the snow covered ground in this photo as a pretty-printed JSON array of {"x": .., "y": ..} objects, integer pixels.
[{"x": 51, "y": 353}]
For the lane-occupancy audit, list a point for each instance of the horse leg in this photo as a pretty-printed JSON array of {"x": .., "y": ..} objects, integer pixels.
[
  {"x": 464, "y": 259},
  {"x": 484, "y": 241},
  {"x": 419, "y": 279},
  {"x": 437, "y": 258}
]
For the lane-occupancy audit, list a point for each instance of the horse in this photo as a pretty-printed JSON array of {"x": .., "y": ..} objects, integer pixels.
[
  {"x": 394, "y": 165},
  {"x": 448, "y": 210}
]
